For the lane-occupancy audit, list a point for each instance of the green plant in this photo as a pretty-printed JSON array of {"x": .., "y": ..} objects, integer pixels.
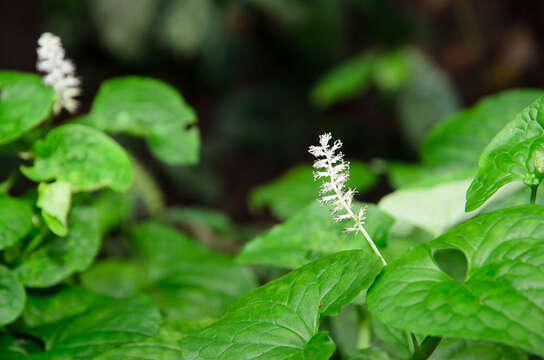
[{"x": 414, "y": 277}]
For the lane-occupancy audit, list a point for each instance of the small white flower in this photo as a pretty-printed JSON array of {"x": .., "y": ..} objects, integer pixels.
[
  {"x": 60, "y": 72},
  {"x": 331, "y": 165}
]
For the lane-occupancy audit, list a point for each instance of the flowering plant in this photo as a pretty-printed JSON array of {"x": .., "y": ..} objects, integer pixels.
[{"x": 93, "y": 265}]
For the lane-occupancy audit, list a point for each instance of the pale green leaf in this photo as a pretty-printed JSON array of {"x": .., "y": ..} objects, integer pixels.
[
  {"x": 24, "y": 103},
  {"x": 501, "y": 297},
  {"x": 312, "y": 234},
  {"x": 54, "y": 199},
  {"x": 280, "y": 320},
  {"x": 84, "y": 157},
  {"x": 438, "y": 207}
]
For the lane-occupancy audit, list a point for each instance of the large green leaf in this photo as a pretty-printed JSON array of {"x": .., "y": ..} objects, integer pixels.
[
  {"x": 99, "y": 329},
  {"x": 460, "y": 139},
  {"x": 58, "y": 258},
  {"x": 12, "y": 296},
  {"x": 516, "y": 153},
  {"x": 58, "y": 304},
  {"x": 310, "y": 235},
  {"x": 501, "y": 298},
  {"x": 295, "y": 189},
  {"x": 280, "y": 320},
  {"x": 24, "y": 103},
  {"x": 54, "y": 199},
  {"x": 151, "y": 109},
  {"x": 15, "y": 220},
  {"x": 84, "y": 157},
  {"x": 190, "y": 284}
]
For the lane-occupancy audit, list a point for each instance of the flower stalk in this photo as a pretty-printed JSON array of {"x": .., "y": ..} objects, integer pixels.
[{"x": 331, "y": 164}]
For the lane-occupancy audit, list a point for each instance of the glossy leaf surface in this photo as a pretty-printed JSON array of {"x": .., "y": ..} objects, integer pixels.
[
  {"x": 501, "y": 298},
  {"x": 280, "y": 320},
  {"x": 84, "y": 157}
]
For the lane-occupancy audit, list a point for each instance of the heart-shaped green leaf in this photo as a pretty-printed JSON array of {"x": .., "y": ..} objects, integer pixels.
[
  {"x": 296, "y": 189},
  {"x": 312, "y": 234},
  {"x": 280, "y": 320},
  {"x": 58, "y": 258},
  {"x": 514, "y": 154},
  {"x": 12, "y": 296},
  {"x": 501, "y": 298},
  {"x": 15, "y": 220},
  {"x": 84, "y": 157},
  {"x": 151, "y": 109},
  {"x": 24, "y": 103}
]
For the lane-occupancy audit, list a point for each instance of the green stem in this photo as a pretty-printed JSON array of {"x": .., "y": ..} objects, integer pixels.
[
  {"x": 426, "y": 349},
  {"x": 534, "y": 190},
  {"x": 35, "y": 242},
  {"x": 417, "y": 349}
]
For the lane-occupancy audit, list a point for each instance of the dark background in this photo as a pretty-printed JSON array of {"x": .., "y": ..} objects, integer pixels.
[{"x": 248, "y": 66}]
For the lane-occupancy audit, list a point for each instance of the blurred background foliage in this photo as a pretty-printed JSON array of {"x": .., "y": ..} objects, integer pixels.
[{"x": 267, "y": 76}]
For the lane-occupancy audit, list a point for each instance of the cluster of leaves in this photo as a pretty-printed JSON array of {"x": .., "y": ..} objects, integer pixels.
[
  {"x": 473, "y": 291},
  {"x": 458, "y": 284}
]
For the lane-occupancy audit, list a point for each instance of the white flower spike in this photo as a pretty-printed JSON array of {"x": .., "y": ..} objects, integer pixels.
[
  {"x": 60, "y": 72},
  {"x": 330, "y": 164}
]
